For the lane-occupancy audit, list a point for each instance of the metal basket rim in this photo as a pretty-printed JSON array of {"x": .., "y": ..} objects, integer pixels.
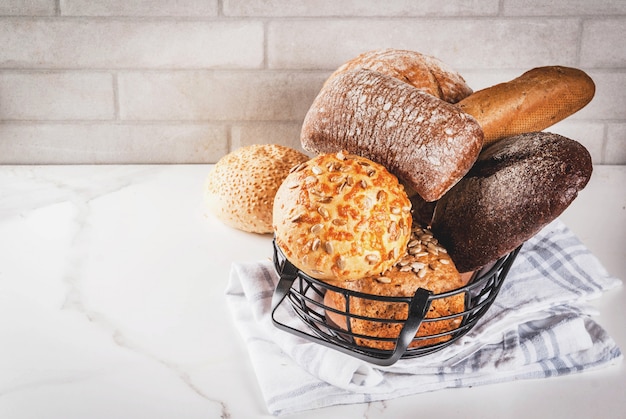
[{"x": 486, "y": 281}]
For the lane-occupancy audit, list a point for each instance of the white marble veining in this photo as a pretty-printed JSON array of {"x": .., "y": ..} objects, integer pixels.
[{"x": 112, "y": 304}]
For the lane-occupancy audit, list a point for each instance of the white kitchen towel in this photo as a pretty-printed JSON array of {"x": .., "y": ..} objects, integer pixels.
[{"x": 540, "y": 325}]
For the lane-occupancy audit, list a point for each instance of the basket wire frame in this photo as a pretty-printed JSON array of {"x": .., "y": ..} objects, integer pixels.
[{"x": 305, "y": 295}]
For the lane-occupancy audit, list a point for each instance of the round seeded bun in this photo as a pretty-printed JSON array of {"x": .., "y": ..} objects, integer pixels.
[
  {"x": 342, "y": 217},
  {"x": 425, "y": 264},
  {"x": 241, "y": 187}
]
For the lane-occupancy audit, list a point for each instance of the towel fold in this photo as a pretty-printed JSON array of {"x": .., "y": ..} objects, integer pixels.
[{"x": 540, "y": 325}]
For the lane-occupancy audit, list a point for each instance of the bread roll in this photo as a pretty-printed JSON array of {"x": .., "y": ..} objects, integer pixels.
[
  {"x": 421, "y": 71},
  {"x": 532, "y": 102},
  {"x": 517, "y": 186},
  {"x": 426, "y": 265},
  {"x": 341, "y": 217},
  {"x": 240, "y": 188},
  {"x": 428, "y": 143}
]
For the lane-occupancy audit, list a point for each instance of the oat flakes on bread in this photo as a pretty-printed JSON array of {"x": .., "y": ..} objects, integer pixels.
[
  {"x": 340, "y": 217},
  {"x": 425, "y": 265},
  {"x": 240, "y": 188}
]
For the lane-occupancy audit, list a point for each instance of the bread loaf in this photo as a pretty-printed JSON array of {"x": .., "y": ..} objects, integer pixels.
[
  {"x": 341, "y": 217},
  {"x": 421, "y": 71},
  {"x": 428, "y": 143},
  {"x": 517, "y": 186},
  {"x": 426, "y": 265},
  {"x": 532, "y": 102},
  {"x": 240, "y": 188}
]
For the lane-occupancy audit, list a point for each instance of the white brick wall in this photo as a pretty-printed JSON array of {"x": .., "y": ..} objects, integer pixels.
[{"x": 186, "y": 81}]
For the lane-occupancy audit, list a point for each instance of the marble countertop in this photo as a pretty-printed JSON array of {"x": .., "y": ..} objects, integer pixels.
[{"x": 112, "y": 304}]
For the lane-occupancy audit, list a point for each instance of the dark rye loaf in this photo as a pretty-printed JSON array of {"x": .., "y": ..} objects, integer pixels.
[{"x": 516, "y": 187}]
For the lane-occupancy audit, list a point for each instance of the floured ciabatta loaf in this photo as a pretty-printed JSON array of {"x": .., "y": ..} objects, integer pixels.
[
  {"x": 426, "y": 142},
  {"x": 241, "y": 186},
  {"x": 341, "y": 217},
  {"x": 517, "y": 186},
  {"x": 425, "y": 265},
  {"x": 421, "y": 71}
]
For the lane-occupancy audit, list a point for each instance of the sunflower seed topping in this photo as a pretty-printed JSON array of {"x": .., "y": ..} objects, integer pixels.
[
  {"x": 297, "y": 167},
  {"x": 317, "y": 228},
  {"x": 323, "y": 212},
  {"x": 393, "y": 230},
  {"x": 383, "y": 280},
  {"x": 416, "y": 266},
  {"x": 372, "y": 258}
]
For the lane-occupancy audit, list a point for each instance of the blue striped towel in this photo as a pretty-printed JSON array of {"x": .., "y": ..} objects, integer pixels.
[{"x": 540, "y": 325}]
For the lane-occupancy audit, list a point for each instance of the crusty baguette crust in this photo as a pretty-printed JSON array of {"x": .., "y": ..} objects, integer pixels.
[
  {"x": 532, "y": 102},
  {"x": 426, "y": 142},
  {"x": 421, "y": 71},
  {"x": 517, "y": 186}
]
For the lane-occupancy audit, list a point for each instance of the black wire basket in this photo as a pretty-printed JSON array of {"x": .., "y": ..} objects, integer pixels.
[{"x": 305, "y": 295}]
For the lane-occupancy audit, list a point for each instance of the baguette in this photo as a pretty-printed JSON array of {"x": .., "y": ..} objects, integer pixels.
[
  {"x": 517, "y": 186},
  {"x": 532, "y": 102},
  {"x": 426, "y": 142}
]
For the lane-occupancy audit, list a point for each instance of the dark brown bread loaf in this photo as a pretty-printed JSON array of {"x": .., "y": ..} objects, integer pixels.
[
  {"x": 532, "y": 102},
  {"x": 426, "y": 142},
  {"x": 517, "y": 186}
]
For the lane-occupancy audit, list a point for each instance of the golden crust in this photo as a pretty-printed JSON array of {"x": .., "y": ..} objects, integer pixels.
[
  {"x": 440, "y": 275},
  {"x": 342, "y": 217},
  {"x": 240, "y": 188},
  {"x": 421, "y": 71}
]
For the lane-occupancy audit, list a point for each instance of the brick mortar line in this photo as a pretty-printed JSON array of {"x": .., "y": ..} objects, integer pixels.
[
  {"x": 116, "y": 97},
  {"x": 119, "y": 70},
  {"x": 266, "y": 71},
  {"x": 605, "y": 141},
  {"x": 218, "y": 122},
  {"x": 260, "y": 18},
  {"x": 147, "y": 122}
]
